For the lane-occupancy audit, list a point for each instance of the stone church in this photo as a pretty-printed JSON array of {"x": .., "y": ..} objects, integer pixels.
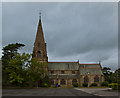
[{"x": 66, "y": 73}]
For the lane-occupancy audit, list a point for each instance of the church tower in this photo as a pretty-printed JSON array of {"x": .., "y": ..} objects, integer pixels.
[{"x": 39, "y": 50}]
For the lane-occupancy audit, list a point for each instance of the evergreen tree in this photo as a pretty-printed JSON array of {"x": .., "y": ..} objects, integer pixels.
[{"x": 8, "y": 53}]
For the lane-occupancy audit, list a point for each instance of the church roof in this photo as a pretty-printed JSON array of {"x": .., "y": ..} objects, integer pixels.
[
  {"x": 63, "y": 65},
  {"x": 90, "y": 71}
]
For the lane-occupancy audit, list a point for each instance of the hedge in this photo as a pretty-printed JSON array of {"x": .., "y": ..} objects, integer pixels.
[
  {"x": 114, "y": 86},
  {"x": 85, "y": 84},
  {"x": 105, "y": 83},
  {"x": 93, "y": 85},
  {"x": 45, "y": 85},
  {"x": 75, "y": 84}
]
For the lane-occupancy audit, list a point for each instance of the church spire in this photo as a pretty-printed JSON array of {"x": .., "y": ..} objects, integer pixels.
[
  {"x": 39, "y": 50},
  {"x": 40, "y": 35}
]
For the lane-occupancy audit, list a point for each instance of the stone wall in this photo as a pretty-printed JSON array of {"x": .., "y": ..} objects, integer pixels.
[
  {"x": 91, "y": 79},
  {"x": 80, "y": 79},
  {"x": 67, "y": 84}
]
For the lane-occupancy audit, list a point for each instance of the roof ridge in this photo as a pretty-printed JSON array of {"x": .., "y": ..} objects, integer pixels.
[
  {"x": 90, "y": 64},
  {"x": 62, "y": 62}
]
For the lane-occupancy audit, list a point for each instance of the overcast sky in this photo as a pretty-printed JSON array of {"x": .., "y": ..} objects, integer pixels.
[{"x": 84, "y": 31}]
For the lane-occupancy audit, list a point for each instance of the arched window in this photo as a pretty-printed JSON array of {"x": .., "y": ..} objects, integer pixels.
[
  {"x": 86, "y": 79},
  {"x": 96, "y": 79},
  {"x": 63, "y": 82},
  {"x": 38, "y": 54},
  {"x": 74, "y": 81},
  {"x": 52, "y": 82}
]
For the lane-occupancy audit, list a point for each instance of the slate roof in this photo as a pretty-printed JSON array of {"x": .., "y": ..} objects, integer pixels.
[
  {"x": 90, "y": 69},
  {"x": 63, "y": 65}
]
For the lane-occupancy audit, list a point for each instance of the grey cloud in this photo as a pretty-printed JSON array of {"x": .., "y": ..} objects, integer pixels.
[{"x": 85, "y": 31}]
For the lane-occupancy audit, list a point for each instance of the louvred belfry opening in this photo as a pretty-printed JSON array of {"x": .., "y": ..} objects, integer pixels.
[{"x": 39, "y": 50}]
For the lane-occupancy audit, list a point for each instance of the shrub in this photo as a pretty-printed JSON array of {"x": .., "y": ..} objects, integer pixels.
[
  {"x": 93, "y": 84},
  {"x": 105, "y": 83},
  {"x": 118, "y": 81},
  {"x": 118, "y": 86},
  {"x": 45, "y": 85},
  {"x": 75, "y": 84},
  {"x": 46, "y": 80},
  {"x": 85, "y": 84},
  {"x": 114, "y": 86}
]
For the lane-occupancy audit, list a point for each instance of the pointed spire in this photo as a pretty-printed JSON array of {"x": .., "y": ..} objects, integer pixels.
[
  {"x": 40, "y": 35},
  {"x": 39, "y": 50}
]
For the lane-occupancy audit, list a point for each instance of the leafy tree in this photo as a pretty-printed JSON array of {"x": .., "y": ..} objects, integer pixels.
[
  {"x": 20, "y": 69},
  {"x": 16, "y": 68},
  {"x": 108, "y": 75},
  {"x": 117, "y": 75},
  {"x": 111, "y": 77},
  {"x": 36, "y": 72},
  {"x": 8, "y": 53},
  {"x": 117, "y": 72},
  {"x": 106, "y": 71}
]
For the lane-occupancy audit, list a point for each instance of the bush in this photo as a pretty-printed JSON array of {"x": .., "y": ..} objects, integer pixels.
[
  {"x": 85, "y": 84},
  {"x": 118, "y": 81},
  {"x": 46, "y": 81},
  {"x": 114, "y": 86},
  {"x": 93, "y": 85},
  {"x": 105, "y": 83},
  {"x": 75, "y": 84},
  {"x": 45, "y": 85}
]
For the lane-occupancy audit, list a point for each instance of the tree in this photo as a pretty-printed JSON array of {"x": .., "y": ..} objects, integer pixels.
[
  {"x": 117, "y": 75},
  {"x": 109, "y": 76},
  {"x": 20, "y": 69},
  {"x": 17, "y": 68},
  {"x": 35, "y": 72},
  {"x": 106, "y": 70},
  {"x": 8, "y": 53}
]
